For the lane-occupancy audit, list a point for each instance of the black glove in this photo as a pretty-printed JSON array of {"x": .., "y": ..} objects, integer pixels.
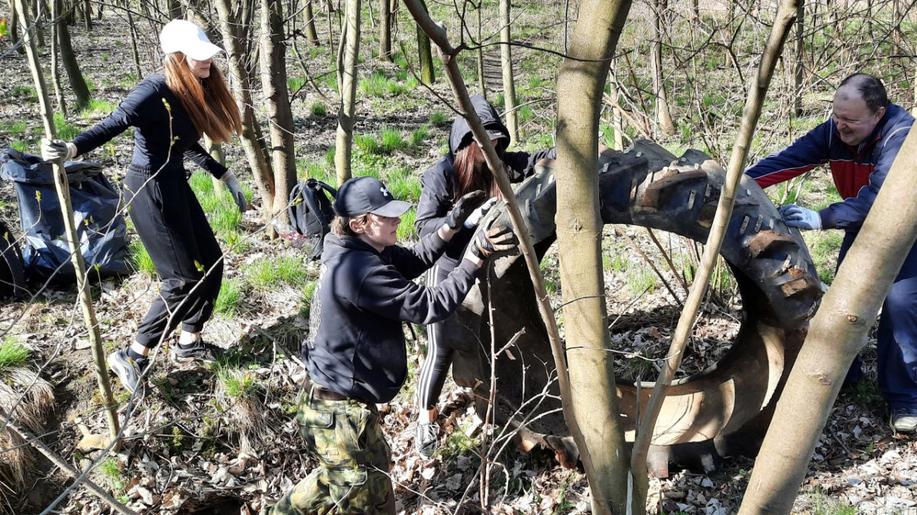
[
  {"x": 463, "y": 208},
  {"x": 493, "y": 241}
]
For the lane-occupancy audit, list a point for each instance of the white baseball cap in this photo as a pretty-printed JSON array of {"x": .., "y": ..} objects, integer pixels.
[{"x": 187, "y": 38}]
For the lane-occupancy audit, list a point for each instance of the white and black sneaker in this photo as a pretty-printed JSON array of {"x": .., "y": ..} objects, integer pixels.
[
  {"x": 127, "y": 369},
  {"x": 197, "y": 351},
  {"x": 426, "y": 438}
]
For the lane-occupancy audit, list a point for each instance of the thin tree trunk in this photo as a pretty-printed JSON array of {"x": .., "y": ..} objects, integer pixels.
[
  {"x": 14, "y": 28},
  {"x": 251, "y": 141},
  {"x": 38, "y": 32},
  {"x": 87, "y": 15},
  {"x": 482, "y": 84},
  {"x": 836, "y": 335},
  {"x": 786, "y": 14},
  {"x": 62, "y": 186},
  {"x": 135, "y": 51},
  {"x": 174, "y": 7},
  {"x": 580, "y": 84},
  {"x": 347, "y": 73},
  {"x": 617, "y": 122},
  {"x": 274, "y": 85},
  {"x": 55, "y": 73},
  {"x": 509, "y": 85},
  {"x": 309, "y": 18},
  {"x": 663, "y": 116},
  {"x": 385, "y": 30},
  {"x": 71, "y": 65},
  {"x": 425, "y": 54},
  {"x": 798, "y": 65}
]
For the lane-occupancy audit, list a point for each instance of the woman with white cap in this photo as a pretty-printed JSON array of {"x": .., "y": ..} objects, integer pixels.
[{"x": 169, "y": 112}]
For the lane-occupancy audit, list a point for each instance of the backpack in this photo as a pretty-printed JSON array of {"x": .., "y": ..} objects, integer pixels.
[
  {"x": 310, "y": 213},
  {"x": 12, "y": 271},
  {"x": 101, "y": 229}
]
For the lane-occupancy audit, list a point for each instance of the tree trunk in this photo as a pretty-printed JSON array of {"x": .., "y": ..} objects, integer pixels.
[
  {"x": 836, "y": 335},
  {"x": 580, "y": 84},
  {"x": 76, "y": 257},
  {"x": 786, "y": 13},
  {"x": 71, "y": 65},
  {"x": 174, "y": 7},
  {"x": 14, "y": 28},
  {"x": 617, "y": 123},
  {"x": 385, "y": 30},
  {"x": 798, "y": 65},
  {"x": 274, "y": 85},
  {"x": 663, "y": 116},
  {"x": 251, "y": 141},
  {"x": 425, "y": 54},
  {"x": 135, "y": 51},
  {"x": 482, "y": 84},
  {"x": 87, "y": 15},
  {"x": 309, "y": 18},
  {"x": 55, "y": 74},
  {"x": 347, "y": 73},
  {"x": 509, "y": 86}
]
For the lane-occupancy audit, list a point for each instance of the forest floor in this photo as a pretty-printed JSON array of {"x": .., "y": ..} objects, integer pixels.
[{"x": 223, "y": 439}]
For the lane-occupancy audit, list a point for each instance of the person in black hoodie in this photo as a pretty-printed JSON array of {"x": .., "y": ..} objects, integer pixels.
[
  {"x": 356, "y": 357},
  {"x": 169, "y": 112},
  {"x": 462, "y": 170}
]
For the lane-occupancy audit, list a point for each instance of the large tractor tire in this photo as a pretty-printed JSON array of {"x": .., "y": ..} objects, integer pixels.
[{"x": 722, "y": 411}]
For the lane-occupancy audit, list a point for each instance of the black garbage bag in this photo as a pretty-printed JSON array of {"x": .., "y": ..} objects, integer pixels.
[
  {"x": 12, "y": 272},
  {"x": 100, "y": 229}
]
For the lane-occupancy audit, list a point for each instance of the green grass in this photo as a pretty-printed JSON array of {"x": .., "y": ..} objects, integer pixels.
[
  {"x": 222, "y": 212},
  {"x": 294, "y": 84},
  {"x": 316, "y": 170},
  {"x": 65, "y": 130},
  {"x": 12, "y": 353},
  {"x": 13, "y": 128},
  {"x": 25, "y": 91},
  {"x": 97, "y": 108},
  {"x": 392, "y": 140},
  {"x": 640, "y": 280},
  {"x": 111, "y": 471},
  {"x": 378, "y": 85},
  {"x": 616, "y": 263},
  {"x": 318, "y": 109},
  {"x": 229, "y": 298},
  {"x": 383, "y": 143},
  {"x": 402, "y": 183},
  {"x": 308, "y": 293},
  {"x": 418, "y": 135},
  {"x": 20, "y": 145},
  {"x": 823, "y": 246},
  {"x": 141, "y": 258},
  {"x": 269, "y": 272},
  {"x": 439, "y": 118},
  {"x": 406, "y": 229},
  {"x": 237, "y": 383}
]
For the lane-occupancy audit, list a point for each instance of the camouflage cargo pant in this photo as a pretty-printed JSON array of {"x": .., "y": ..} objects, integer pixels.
[{"x": 354, "y": 459}]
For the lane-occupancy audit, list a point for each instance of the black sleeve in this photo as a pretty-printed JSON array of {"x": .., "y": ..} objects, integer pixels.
[
  {"x": 520, "y": 165},
  {"x": 140, "y": 103},
  {"x": 204, "y": 160},
  {"x": 435, "y": 200},
  {"x": 386, "y": 292},
  {"x": 414, "y": 261}
]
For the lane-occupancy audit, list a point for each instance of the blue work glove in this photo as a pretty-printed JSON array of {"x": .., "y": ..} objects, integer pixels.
[
  {"x": 232, "y": 184},
  {"x": 800, "y": 217}
]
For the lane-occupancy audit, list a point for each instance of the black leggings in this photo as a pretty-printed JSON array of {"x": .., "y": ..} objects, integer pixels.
[
  {"x": 173, "y": 228},
  {"x": 442, "y": 338}
]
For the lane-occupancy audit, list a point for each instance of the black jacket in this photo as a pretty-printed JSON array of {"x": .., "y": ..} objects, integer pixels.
[
  {"x": 146, "y": 109},
  {"x": 439, "y": 181},
  {"x": 358, "y": 349}
]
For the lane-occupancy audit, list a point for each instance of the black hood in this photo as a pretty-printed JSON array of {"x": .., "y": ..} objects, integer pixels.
[{"x": 461, "y": 131}]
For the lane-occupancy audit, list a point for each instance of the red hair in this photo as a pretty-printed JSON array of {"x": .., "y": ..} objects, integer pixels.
[
  {"x": 207, "y": 101},
  {"x": 472, "y": 174}
]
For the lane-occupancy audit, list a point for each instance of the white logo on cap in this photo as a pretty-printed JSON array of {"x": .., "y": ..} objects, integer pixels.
[{"x": 385, "y": 191}]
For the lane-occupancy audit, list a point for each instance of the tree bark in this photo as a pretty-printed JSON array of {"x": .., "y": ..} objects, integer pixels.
[
  {"x": 62, "y": 185},
  {"x": 14, "y": 28},
  {"x": 798, "y": 64},
  {"x": 385, "y": 30},
  {"x": 836, "y": 335},
  {"x": 347, "y": 73},
  {"x": 241, "y": 90},
  {"x": 509, "y": 85},
  {"x": 425, "y": 54},
  {"x": 482, "y": 84},
  {"x": 274, "y": 86},
  {"x": 617, "y": 122},
  {"x": 55, "y": 51},
  {"x": 580, "y": 84},
  {"x": 309, "y": 18},
  {"x": 786, "y": 13},
  {"x": 71, "y": 65},
  {"x": 663, "y": 116},
  {"x": 135, "y": 51}
]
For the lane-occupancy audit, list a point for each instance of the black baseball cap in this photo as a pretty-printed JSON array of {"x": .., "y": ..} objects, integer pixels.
[{"x": 361, "y": 195}]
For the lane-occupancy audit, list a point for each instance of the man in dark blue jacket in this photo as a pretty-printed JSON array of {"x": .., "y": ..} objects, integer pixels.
[
  {"x": 859, "y": 143},
  {"x": 356, "y": 357}
]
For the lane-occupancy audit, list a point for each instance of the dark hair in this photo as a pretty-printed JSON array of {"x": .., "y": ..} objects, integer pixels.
[
  {"x": 341, "y": 224},
  {"x": 472, "y": 174},
  {"x": 870, "y": 89}
]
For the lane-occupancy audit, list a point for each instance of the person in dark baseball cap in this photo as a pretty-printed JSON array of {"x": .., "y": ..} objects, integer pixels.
[
  {"x": 357, "y": 357},
  {"x": 362, "y": 195}
]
